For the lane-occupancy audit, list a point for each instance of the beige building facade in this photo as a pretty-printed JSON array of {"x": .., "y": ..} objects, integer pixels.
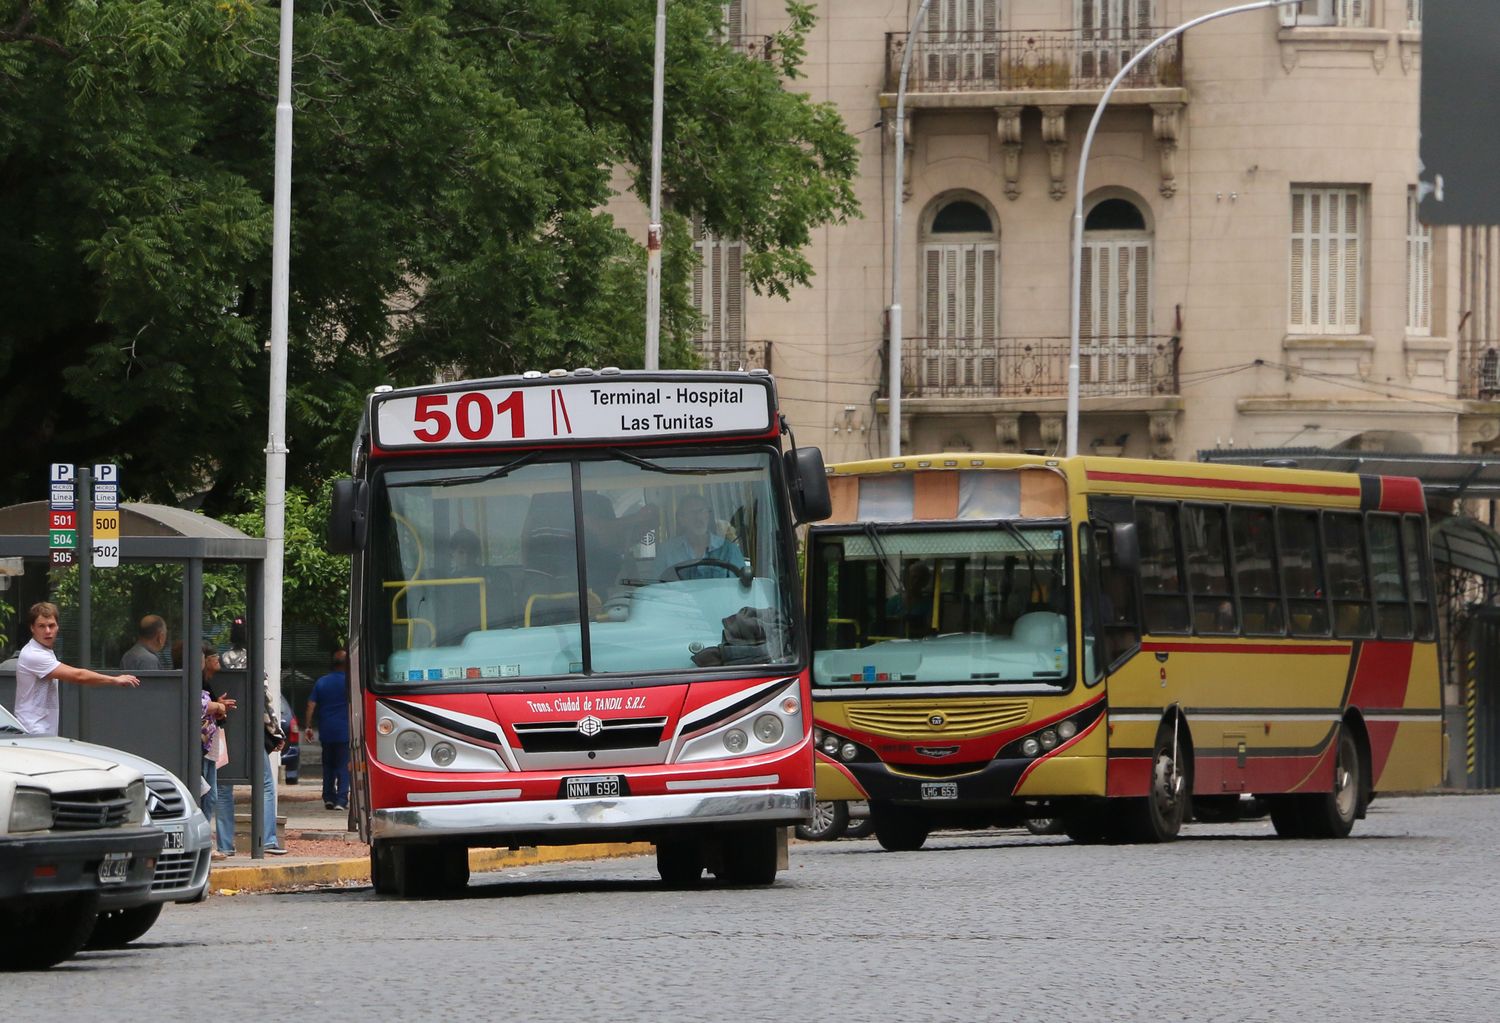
[{"x": 1254, "y": 274}]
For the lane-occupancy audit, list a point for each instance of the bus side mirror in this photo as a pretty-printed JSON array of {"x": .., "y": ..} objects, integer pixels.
[
  {"x": 348, "y": 519},
  {"x": 808, "y": 483},
  {"x": 1125, "y": 546}
]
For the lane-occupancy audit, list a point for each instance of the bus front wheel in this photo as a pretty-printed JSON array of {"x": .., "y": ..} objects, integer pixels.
[
  {"x": 1159, "y": 815},
  {"x": 680, "y": 862},
  {"x": 418, "y": 871},
  {"x": 751, "y": 857},
  {"x": 899, "y": 829}
]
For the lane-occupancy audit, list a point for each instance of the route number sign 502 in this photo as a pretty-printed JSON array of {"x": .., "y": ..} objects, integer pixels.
[{"x": 472, "y": 415}]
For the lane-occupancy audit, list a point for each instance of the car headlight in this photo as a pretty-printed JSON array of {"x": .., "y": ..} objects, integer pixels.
[
  {"x": 135, "y": 794},
  {"x": 30, "y": 810}
]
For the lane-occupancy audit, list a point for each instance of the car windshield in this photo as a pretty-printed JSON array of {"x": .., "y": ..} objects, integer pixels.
[
  {"x": 899, "y": 606},
  {"x": 615, "y": 565},
  {"x": 9, "y": 725}
]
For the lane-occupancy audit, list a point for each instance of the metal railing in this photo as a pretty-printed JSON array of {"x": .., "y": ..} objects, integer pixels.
[
  {"x": 1479, "y": 370},
  {"x": 1006, "y": 61},
  {"x": 733, "y": 356},
  {"x": 1037, "y": 367},
  {"x": 754, "y": 47}
]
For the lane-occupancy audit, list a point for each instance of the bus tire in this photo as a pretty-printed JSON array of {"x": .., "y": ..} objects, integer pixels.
[
  {"x": 1158, "y": 816},
  {"x": 419, "y": 871},
  {"x": 680, "y": 862},
  {"x": 749, "y": 857},
  {"x": 382, "y": 868},
  {"x": 899, "y": 829},
  {"x": 829, "y": 821},
  {"x": 1330, "y": 814},
  {"x": 1045, "y": 825}
]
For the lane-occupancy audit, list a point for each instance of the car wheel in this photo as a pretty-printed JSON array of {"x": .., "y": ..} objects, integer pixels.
[
  {"x": 40, "y": 936},
  {"x": 829, "y": 821},
  {"x": 116, "y": 928}
]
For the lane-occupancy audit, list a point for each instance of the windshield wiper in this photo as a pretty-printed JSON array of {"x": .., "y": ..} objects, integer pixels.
[
  {"x": 681, "y": 470},
  {"x": 453, "y": 481},
  {"x": 898, "y": 585}
]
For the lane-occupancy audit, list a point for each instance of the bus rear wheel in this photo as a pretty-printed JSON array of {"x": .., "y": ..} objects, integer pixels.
[
  {"x": 829, "y": 821},
  {"x": 899, "y": 829},
  {"x": 1330, "y": 814}
]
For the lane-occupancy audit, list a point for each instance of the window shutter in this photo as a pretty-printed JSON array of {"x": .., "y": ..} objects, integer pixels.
[
  {"x": 734, "y": 18},
  {"x": 1418, "y": 269},
  {"x": 989, "y": 327},
  {"x": 932, "y": 294},
  {"x": 1327, "y": 260},
  {"x": 1350, "y": 264},
  {"x": 970, "y": 290},
  {"x": 734, "y": 295},
  {"x": 1298, "y": 289}
]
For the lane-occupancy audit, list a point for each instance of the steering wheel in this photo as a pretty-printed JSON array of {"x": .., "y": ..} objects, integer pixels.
[{"x": 744, "y": 572}]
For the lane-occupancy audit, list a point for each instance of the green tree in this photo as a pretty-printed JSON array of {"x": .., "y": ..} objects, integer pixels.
[{"x": 452, "y": 162}]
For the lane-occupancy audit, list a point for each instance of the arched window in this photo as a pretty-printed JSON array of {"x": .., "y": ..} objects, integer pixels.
[
  {"x": 960, "y": 263},
  {"x": 1115, "y": 312}
]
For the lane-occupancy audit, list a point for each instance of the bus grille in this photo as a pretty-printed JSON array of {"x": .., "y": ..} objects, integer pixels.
[
  {"x": 571, "y": 736},
  {"x": 165, "y": 801},
  {"x": 84, "y": 811},
  {"x": 962, "y": 719}
]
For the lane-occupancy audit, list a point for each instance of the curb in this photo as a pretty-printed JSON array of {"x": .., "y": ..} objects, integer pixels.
[{"x": 233, "y": 880}]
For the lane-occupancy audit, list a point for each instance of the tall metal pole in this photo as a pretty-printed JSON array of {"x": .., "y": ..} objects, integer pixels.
[
  {"x": 897, "y": 199},
  {"x": 1076, "y": 289},
  {"x": 653, "y": 232},
  {"x": 281, "y": 240}
]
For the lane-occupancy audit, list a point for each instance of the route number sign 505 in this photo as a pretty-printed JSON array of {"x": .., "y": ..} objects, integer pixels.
[{"x": 473, "y": 415}]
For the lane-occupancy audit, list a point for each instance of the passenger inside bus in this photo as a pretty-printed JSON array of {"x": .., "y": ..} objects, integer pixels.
[{"x": 911, "y": 607}]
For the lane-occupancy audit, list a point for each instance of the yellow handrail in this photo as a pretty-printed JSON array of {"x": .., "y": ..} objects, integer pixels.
[{"x": 401, "y": 586}]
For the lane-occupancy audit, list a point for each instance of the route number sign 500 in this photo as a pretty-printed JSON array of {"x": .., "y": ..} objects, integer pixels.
[{"x": 472, "y": 416}]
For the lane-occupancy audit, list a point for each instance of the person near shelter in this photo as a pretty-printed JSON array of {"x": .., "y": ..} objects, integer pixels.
[
  {"x": 236, "y": 657},
  {"x": 151, "y": 640},
  {"x": 328, "y": 721},
  {"x": 275, "y": 740},
  {"x": 223, "y": 815},
  {"x": 38, "y": 671},
  {"x": 213, "y": 749},
  {"x": 696, "y": 541}
]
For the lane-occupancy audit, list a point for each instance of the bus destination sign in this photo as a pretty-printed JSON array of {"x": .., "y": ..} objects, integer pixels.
[{"x": 596, "y": 409}]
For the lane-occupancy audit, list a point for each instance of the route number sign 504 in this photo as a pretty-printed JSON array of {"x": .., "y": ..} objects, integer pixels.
[{"x": 472, "y": 415}]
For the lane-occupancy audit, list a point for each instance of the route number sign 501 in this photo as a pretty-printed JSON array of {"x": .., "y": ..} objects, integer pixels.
[{"x": 472, "y": 415}]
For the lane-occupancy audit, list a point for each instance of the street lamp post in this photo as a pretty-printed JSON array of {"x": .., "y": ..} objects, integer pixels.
[
  {"x": 653, "y": 230},
  {"x": 1076, "y": 290},
  {"x": 894, "y": 409}
]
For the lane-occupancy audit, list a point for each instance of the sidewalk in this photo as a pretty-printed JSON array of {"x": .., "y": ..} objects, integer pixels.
[{"x": 322, "y": 849}]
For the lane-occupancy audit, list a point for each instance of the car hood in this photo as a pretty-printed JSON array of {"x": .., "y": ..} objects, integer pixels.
[{"x": 20, "y": 757}]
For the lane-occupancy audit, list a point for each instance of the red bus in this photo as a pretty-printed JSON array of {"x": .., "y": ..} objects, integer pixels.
[{"x": 575, "y": 618}]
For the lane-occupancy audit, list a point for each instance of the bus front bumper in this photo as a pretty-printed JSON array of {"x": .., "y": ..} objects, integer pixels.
[{"x": 563, "y": 821}]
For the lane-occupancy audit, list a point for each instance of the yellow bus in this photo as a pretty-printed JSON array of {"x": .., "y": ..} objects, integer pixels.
[{"x": 1119, "y": 644}]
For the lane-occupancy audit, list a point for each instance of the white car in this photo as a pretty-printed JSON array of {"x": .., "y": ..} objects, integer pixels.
[
  {"x": 181, "y": 869},
  {"x": 72, "y": 830}
]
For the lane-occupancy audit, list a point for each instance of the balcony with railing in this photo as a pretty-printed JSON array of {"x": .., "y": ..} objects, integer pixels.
[
  {"x": 1025, "y": 63},
  {"x": 1479, "y": 370},
  {"x": 1143, "y": 366}
]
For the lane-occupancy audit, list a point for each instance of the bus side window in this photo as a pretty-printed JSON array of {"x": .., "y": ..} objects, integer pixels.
[
  {"x": 1206, "y": 546},
  {"x": 1299, "y": 550},
  {"x": 1348, "y": 580},
  {"x": 1164, "y": 598},
  {"x": 1418, "y": 573},
  {"x": 1256, "y": 573},
  {"x": 1392, "y": 609},
  {"x": 1117, "y": 607}
]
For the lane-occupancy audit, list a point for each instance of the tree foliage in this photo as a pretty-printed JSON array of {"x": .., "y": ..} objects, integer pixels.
[{"x": 452, "y": 159}]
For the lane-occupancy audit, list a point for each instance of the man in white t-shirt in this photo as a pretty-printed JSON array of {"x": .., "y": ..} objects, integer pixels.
[{"x": 38, "y": 671}]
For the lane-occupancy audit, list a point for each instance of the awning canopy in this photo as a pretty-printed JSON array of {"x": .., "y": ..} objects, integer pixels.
[
  {"x": 1467, "y": 544},
  {"x": 1442, "y": 476}
]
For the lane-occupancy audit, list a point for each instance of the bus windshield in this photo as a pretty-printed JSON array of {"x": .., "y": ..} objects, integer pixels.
[
  {"x": 899, "y": 605},
  {"x": 627, "y": 563}
]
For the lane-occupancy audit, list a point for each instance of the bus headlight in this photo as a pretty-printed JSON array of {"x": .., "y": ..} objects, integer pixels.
[
  {"x": 1067, "y": 729},
  {"x": 848, "y": 751},
  {"x": 735, "y": 740},
  {"x": 410, "y": 745},
  {"x": 1030, "y": 747},
  {"x": 1049, "y": 739},
  {"x": 768, "y": 728},
  {"x": 830, "y": 744},
  {"x": 444, "y": 754}
]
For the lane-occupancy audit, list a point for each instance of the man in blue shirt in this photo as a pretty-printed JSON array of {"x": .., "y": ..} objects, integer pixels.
[{"x": 329, "y": 701}]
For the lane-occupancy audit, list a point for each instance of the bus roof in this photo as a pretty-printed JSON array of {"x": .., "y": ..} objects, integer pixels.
[
  {"x": 1203, "y": 481},
  {"x": 580, "y": 407}
]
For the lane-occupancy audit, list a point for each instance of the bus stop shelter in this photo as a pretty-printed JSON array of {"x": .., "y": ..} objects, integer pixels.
[{"x": 161, "y": 720}]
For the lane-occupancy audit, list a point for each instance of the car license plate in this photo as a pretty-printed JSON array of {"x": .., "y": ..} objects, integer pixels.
[
  {"x": 592, "y": 786},
  {"x": 114, "y": 868},
  {"x": 175, "y": 839},
  {"x": 940, "y": 790}
]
